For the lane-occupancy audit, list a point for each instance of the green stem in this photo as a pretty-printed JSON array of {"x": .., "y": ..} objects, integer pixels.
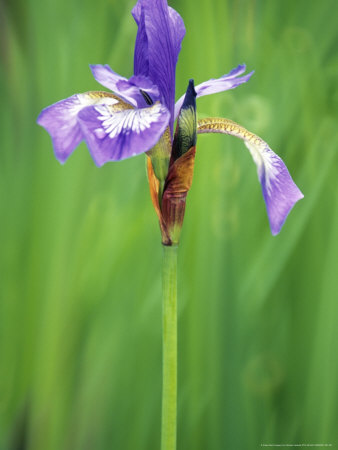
[{"x": 169, "y": 388}]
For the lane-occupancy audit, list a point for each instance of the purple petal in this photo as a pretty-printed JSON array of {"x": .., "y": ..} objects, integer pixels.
[
  {"x": 141, "y": 60},
  {"x": 112, "y": 136},
  {"x": 177, "y": 30},
  {"x": 279, "y": 190},
  {"x": 132, "y": 88},
  {"x": 109, "y": 79},
  {"x": 226, "y": 82},
  {"x": 60, "y": 120},
  {"x": 236, "y": 71},
  {"x": 158, "y": 43},
  {"x": 128, "y": 90}
]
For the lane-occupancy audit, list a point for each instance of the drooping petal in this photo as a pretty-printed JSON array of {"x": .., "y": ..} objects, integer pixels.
[
  {"x": 113, "y": 136},
  {"x": 60, "y": 120},
  {"x": 279, "y": 190},
  {"x": 158, "y": 43},
  {"x": 128, "y": 90},
  {"x": 224, "y": 83}
]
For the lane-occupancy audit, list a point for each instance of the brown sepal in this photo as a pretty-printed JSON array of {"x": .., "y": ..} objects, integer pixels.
[
  {"x": 178, "y": 182},
  {"x": 176, "y": 188}
]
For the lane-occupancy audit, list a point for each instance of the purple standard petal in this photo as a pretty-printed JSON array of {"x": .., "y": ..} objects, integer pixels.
[
  {"x": 279, "y": 190},
  {"x": 113, "y": 136},
  {"x": 141, "y": 59},
  {"x": 158, "y": 43},
  {"x": 60, "y": 120},
  {"x": 226, "y": 82}
]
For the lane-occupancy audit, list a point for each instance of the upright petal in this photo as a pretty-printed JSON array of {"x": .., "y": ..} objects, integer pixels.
[
  {"x": 158, "y": 43},
  {"x": 141, "y": 58},
  {"x": 60, "y": 120},
  {"x": 279, "y": 190},
  {"x": 113, "y": 136},
  {"x": 177, "y": 30},
  {"x": 224, "y": 83}
]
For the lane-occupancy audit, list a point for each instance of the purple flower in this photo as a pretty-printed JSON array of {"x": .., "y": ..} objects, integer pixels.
[{"x": 139, "y": 115}]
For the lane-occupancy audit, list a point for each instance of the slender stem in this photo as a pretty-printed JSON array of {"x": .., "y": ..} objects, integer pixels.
[{"x": 169, "y": 388}]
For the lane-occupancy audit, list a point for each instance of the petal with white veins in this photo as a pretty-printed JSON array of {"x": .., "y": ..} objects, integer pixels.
[
  {"x": 60, "y": 119},
  {"x": 279, "y": 190},
  {"x": 113, "y": 136}
]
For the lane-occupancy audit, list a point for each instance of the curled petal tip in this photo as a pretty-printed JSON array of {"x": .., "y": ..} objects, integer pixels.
[
  {"x": 281, "y": 203},
  {"x": 229, "y": 81}
]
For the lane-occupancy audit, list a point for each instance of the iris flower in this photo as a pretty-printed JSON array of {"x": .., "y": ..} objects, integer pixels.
[{"x": 138, "y": 116}]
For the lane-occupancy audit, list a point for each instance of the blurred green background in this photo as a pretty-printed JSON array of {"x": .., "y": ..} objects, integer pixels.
[{"x": 80, "y": 309}]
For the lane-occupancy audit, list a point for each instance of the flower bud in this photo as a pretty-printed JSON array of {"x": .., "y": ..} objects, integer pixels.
[{"x": 170, "y": 205}]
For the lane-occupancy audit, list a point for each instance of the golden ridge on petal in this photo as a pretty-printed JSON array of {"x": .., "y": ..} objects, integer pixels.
[
  {"x": 102, "y": 97},
  {"x": 227, "y": 126}
]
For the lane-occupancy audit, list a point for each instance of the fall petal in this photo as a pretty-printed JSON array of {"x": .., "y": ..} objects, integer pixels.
[
  {"x": 60, "y": 120},
  {"x": 279, "y": 190},
  {"x": 112, "y": 136}
]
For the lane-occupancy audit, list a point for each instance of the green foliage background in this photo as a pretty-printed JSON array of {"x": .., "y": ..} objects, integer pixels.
[{"x": 80, "y": 309}]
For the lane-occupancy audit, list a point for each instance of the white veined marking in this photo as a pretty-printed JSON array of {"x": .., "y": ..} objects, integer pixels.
[
  {"x": 266, "y": 161},
  {"x": 131, "y": 120},
  {"x": 271, "y": 163},
  {"x": 107, "y": 101}
]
